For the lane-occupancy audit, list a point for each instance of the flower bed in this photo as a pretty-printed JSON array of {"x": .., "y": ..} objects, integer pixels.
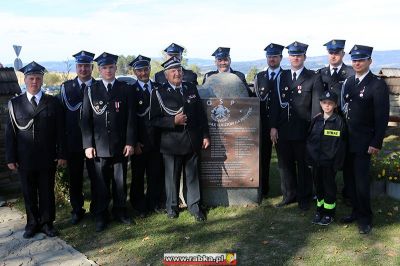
[{"x": 386, "y": 165}]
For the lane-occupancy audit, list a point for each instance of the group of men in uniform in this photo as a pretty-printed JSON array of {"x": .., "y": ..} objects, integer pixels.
[{"x": 161, "y": 127}]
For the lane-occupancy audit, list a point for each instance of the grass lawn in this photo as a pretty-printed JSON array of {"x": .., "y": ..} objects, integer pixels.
[{"x": 260, "y": 235}]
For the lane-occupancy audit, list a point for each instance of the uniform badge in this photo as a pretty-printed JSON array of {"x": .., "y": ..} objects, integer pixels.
[
  {"x": 286, "y": 88},
  {"x": 262, "y": 89},
  {"x": 140, "y": 102},
  {"x": 299, "y": 89},
  {"x": 343, "y": 72},
  {"x": 117, "y": 106},
  {"x": 101, "y": 102}
]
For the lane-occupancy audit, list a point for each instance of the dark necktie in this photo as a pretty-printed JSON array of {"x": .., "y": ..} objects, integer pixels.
[
  {"x": 109, "y": 87},
  {"x": 272, "y": 76},
  {"x": 33, "y": 102},
  {"x": 146, "y": 89},
  {"x": 357, "y": 81},
  {"x": 179, "y": 89},
  {"x": 335, "y": 75},
  {"x": 83, "y": 86},
  {"x": 294, "y": 76}
]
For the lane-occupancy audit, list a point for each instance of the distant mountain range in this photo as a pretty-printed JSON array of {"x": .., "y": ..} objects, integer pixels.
[{"x": 380, "y": 59}]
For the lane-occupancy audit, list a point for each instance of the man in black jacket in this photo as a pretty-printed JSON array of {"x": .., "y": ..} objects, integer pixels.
[
  {"x": 365, "y": 103},
  {"x": 71, "y": 99},
  {"x": 147, "y": 157},
  {"x": 265, "y": 90},
  {"x": 176, "y": 108},
  {"x": 223, "y": 63},
  {"x": 298, "y": 101},
  {"x": 108, "y": 133},
  {"x": 35, "y": 147},
  {"x": 175, "y": 50},
  {"x": 335, "y": 74}
]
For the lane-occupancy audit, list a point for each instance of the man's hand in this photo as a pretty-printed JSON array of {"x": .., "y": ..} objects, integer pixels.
[
  {"x": 138, "y": 148},
  {"x": 90, "y": 152},
  {"x": 206, "y": 143},
  {"x": 180, "y": 119},
  {"x": 372, "y": 150},
  {"x": 61, "y": 163},
  {"x": 12, "y": 166},
  {"x": 128, "y": 150},
  {"x": 274, "y": 135}
]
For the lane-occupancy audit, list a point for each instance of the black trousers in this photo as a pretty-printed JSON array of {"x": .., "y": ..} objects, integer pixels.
[
  {"x": 38, "y": 190},
  {"x": 357, "y": 169},
  {"x": 173, "y": 165},
  {"x": 75, "y": 169},
  {"x": 151, "y": 164},
  {"x": 265, "y": 154},
  {"x": 325, "y": 187},
  {"x": 296, "y": 181},
  {"x": 109, "y": 171}
]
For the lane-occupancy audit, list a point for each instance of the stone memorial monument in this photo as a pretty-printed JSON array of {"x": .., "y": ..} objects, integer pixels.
[{"x": 229, "y": 169}]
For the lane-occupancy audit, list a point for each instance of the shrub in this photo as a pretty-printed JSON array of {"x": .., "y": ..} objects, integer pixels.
[{"x": 386, "y": 165}]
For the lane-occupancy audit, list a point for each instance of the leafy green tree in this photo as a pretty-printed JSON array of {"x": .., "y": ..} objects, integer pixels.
[
  {"x": 52, "y": 79},
  {"x": 251, "y": 74}
]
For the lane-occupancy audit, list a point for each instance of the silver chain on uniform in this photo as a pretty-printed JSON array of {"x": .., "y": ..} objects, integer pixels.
[
  {"x": 69, "y": 106},
  {"x": 278, "y": 90},
  {"x": 97, "y": 112},
  {"x": 14, "y": 121},
  {"x": 166, "y": 109}
]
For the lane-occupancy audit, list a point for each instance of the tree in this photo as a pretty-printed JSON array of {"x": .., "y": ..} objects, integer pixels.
[
  {"x": 251, "y": 74},
  {"x": 65, "y": 74},
  {"x": 123, "y": 67},
  {"x": 52, "y": 79}
]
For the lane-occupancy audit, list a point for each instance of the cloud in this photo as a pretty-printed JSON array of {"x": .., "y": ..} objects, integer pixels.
[{"x": 148, "y": 26}]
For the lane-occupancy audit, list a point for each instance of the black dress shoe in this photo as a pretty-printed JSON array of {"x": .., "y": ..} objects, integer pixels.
[
  {"x": 364, "y": 228},
  {"x": 172, "y": 215},
  {"x": 49, "y": 230},
  {"x": 29, "y": 233},
  {"x": 76, "y": 218},
  {"x": 348, "y": 219},
  {"x": 284, "y": 203},
  {"x": 100, "y": 225},
  {"x": 123, "y": 219},
  {"x": 199, "y": 216}
]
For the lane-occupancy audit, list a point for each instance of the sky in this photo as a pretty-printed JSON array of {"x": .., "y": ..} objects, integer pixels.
[{"x": 51, "y": 30}]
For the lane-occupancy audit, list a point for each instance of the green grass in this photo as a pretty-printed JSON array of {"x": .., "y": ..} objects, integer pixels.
[{"x": 260, "y": 235}]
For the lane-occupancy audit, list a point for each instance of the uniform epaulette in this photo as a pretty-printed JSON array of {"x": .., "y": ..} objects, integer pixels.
[{"x": 318, "y": 71}]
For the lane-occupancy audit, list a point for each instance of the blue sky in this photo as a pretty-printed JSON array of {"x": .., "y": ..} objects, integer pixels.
[{"x": 54, "y": 30}]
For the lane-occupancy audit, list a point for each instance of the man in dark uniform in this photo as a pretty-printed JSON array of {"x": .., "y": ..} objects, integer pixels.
[
  {"x": 223, "y": 63},
  {"x": 365, "y": 103},
  {"x": 175, "y": 50},
  {"x": 147, "y": 157},
  {"x": 71, "y": 99},
  {"x": 108, "y": 133},
  {"x": 265, "y": 89},
  {"x": 335, "y": 74},
  {"x": 177, "y": 110},
  {"x": 333, "y": 77},
  {"x": 35, "y": 147},
  {"x": 298, "y": 101}
]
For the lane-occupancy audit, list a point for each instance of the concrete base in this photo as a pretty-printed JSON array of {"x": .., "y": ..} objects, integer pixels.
[
  {"x": 230, "y": 196},
  {"x": 393, "y": 190}
]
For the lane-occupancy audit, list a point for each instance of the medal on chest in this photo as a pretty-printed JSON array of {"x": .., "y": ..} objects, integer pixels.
[
  {"x": 117, "y": 103},
  {"x": 362, "y": 93},
  {"x": 299, "y": 89}
]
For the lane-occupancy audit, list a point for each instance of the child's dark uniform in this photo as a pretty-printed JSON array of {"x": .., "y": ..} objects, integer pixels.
[{"x": 325, "y": 153}]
